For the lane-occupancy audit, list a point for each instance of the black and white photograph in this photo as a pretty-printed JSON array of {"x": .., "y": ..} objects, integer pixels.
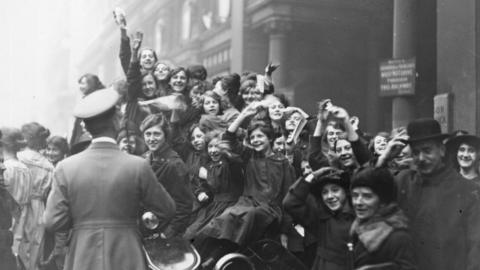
[{"x": 240, "y": 135}]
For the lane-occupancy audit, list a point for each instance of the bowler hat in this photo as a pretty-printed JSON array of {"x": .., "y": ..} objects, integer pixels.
[{"x": 425, "y": 129}]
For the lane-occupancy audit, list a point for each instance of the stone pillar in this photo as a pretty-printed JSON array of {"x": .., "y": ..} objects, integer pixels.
[
  {"x": 277, "y": 31},
  {"x": 404, "y": 43},
  {"x": 237, "y": 44}
]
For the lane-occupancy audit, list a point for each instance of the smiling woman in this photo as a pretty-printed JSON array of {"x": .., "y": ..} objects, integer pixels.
[
  {"x": 170, "y": 170},
  {"x": 379, "y": 232},
  {"x": 464, "y": 151},
  {"x": 328, "y": 218}
]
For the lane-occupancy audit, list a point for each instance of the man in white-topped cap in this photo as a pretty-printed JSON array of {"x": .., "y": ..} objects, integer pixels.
[{"x": 98, "y": 194}]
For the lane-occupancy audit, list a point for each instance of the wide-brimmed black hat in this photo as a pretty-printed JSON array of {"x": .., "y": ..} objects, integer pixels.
[
  {"x": 425, "y": 129},
  {"x": 461, "y": 137}
]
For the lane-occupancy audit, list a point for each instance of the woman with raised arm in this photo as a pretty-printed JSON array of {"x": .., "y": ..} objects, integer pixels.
[
  {"x": 220, "y": 182},
  {"x": 327, "y": 214},
  {"x": 267, "y": 179}
]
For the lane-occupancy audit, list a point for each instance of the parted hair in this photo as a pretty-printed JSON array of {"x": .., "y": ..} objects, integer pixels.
[
  {"x": 264, "y": 127},
  {"x": 12, "y": 139},
  {"x": 154, "y": 120},
  {"x": 36, "y": 135}
]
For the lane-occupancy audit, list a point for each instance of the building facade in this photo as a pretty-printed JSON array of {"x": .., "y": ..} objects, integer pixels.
[{"x": 326, "y": 49}]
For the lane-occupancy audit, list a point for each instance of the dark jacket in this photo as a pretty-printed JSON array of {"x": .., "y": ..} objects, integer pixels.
[
  {"x": 172, "y": 173},
  {"x": 331, "y": 230},
  {"x": 7, "y": 206},
  {"x": 444, "y": 210},
  {"x": 259, "y": 210},
  {"x": 383, "y": 242}
]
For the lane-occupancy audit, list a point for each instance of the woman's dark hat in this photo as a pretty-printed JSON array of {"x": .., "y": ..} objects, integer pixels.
[
  {"x": 425, "y": 129},
  {"x": 459, "y": 137},
  {"x": 379, "y": 180},
  {"x": 334, "y": 176}
]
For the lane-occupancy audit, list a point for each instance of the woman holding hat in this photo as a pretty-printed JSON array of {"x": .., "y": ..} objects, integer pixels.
[
  {"x": 464, "y": 150},
  {"x": 327, "y": 215},
  {"x": 18, "y": 182},
  {"x": 380, "y": 237}
]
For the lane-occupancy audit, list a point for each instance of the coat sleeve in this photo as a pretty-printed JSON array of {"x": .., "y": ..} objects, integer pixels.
[
  {"x": 154, "y": 196},
  {"x": 134, "y": 81},
  {"x": 316, "y": 158},
  {"x": 178, "y": 186},
  {"x": 56, "y": 216},
  {"x": 472, "y": 223},
  {"x": 360, "y": 150},
  {"x": 125, "y": 52},
  {"x": 297, "y": 205}
]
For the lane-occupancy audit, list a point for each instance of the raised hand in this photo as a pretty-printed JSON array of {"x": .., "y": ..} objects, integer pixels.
[
  {"x": 137, "y": 40},
  {"x": 202, "y": 173},
  {"x": 270, "y": 68},
  {"x": 119, "y": 17},
  {"x": 323, "y": 171},
  {"x": 323, "y": 109},
  {"x": 251, "y": 109},
  {"x": 340, "y": 113},
  {"x": 202, "y": 197}
]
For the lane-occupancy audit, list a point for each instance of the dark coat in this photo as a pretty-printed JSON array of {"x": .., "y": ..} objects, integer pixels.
[
  {"x": 223, "y": 185},
  {"x": 267, "y": 180},
  {"x": 172, "y": 173},
  {"x": 7, "y": 206},
  {"x": 383, "y": 242},
  {"x": 444, "y": 210},
  {"x": 134, "y": 94},
  {"x": 330, "y": 230},
  {"x": 99, "y": 193}
]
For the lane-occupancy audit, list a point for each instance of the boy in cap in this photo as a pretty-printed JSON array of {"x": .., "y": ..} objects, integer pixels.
[{"x": 99, "y": 193}]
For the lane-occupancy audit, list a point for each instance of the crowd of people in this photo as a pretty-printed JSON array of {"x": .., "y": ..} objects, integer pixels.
[{"x": 226, "y": 162}]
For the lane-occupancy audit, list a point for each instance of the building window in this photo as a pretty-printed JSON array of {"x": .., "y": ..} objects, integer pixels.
[{"x": 223, "y": 10}]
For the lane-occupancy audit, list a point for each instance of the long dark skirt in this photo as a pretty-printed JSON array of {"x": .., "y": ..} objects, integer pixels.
[
  {"x": 244, "y": 222},
  {"x": 205, "y": 215}
]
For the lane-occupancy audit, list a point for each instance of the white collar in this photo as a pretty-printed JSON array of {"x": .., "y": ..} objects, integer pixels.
[{"x": 104, "y": 139}]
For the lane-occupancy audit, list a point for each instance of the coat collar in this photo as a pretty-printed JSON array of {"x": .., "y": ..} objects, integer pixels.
[
  {"x": 373, "y": 232},
  {"x": 104, "y": 145}
]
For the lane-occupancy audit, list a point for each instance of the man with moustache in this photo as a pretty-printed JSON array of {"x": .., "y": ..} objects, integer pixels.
[{"x": 443, "y": 208}]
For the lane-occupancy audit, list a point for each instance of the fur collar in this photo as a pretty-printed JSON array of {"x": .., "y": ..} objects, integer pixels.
[{"x": 374, "y": 231}]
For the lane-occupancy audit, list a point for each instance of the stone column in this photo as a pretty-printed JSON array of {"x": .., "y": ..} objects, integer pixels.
[
  {"x": 404, "y": 43},
  {"x": 277, "y": 30},
  {"x": 237, "y": 44}
]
